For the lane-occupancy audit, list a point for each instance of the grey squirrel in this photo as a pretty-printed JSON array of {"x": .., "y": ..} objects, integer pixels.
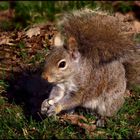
[{"x": 88, "y": 64}]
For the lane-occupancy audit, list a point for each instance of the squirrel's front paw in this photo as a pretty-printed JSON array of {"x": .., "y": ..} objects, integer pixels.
[
  {"x": 54, "y": 109},
  {"x": 45, "y": 105}
]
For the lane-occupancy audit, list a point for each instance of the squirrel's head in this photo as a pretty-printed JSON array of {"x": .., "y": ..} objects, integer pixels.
[{"x": 63, "y": 60}]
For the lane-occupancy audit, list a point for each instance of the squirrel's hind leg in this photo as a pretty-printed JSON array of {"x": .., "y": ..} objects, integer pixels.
[{"x": 109, "y": 108}]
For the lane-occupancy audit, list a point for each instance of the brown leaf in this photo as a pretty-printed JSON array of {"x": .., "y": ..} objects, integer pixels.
[
  {"x": 74, "y": 118},
  {"x": 5, "y": 41},
  {"x": 33, "y": 32},
  {"x": 87, "y": 127},
  {"x": 79, "y": 120}
]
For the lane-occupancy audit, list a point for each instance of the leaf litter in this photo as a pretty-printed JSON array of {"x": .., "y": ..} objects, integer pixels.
[{"x": 80, "y": 121}]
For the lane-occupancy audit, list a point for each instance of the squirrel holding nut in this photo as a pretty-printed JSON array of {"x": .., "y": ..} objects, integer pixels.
[{"x": 91, "y": 64}]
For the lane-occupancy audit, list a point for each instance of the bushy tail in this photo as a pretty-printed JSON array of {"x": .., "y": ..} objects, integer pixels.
[{"x": 132, "y": 67}]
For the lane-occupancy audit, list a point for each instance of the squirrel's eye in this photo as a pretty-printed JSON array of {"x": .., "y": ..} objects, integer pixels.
[{"x": 62, "y": 64}]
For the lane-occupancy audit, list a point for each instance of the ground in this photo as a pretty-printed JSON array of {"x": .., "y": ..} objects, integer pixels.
[{"x": 22, "y": 53}]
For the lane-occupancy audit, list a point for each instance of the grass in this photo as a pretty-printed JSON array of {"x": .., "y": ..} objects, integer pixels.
[
  {"x": 15, "y": 120},
  {"x": 14, "y": 125}
]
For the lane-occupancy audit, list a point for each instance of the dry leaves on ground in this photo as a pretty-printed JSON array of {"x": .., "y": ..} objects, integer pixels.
[
  {"x": 33, "y": 32},
  {"x": 80, "y": 121},
  {"x": 24, "y": 49}
]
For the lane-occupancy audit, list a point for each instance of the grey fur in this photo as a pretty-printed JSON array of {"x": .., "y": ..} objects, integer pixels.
[{"x": 95, "y": 49}]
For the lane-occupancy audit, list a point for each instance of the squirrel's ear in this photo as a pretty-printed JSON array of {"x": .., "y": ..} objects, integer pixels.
[
  {"x": 58, "y": 40},
  {"x": 73, "y": 48}
]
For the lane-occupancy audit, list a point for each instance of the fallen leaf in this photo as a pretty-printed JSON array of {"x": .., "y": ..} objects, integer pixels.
[
  {"x": 74, "y": 118},
  {"x": 7, "y": 55},
  {"x": 33, "y": 32},
  {"x": 87, "y": 127},
  {"x": 80, "y": 121},
  {"x": 5, "y": 41}
]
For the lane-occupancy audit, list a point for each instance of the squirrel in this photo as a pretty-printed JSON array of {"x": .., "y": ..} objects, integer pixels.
[{"x": 88, "y": 62}]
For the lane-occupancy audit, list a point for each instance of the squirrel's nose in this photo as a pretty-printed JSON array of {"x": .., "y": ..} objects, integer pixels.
[{"x": 44, "y": 76}]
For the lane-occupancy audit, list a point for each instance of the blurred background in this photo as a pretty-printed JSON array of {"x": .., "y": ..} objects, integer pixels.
[{"x": 20, "y": 14}]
